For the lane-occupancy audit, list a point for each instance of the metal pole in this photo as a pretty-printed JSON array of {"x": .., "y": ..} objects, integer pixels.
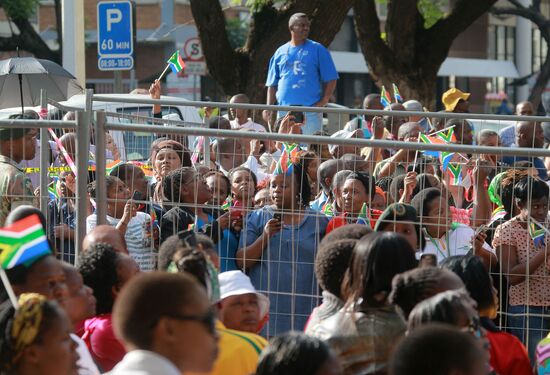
[
  {"x": 44, "y": 156},
  {"x": 206, "y": 144},
  {"x": 101, "y": 191},
  {"x": 118, "y": 81},
  {"x": 82, "y": 151}
]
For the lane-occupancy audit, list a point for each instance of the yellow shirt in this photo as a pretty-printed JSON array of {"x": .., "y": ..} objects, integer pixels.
[{"x": 238, "y": 352}]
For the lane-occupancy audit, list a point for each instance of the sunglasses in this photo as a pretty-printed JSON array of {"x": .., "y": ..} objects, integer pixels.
[{"x": 208, "y": 319}]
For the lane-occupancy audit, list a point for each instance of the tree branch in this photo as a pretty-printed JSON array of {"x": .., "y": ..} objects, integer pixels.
[
  {"x": 402, "y": 38},
  {"x": 527, "y": 13},
  {"x": 464, "y": 13},
  {"x": 210, "y": 22},
  {"x": 367, "y": 26},
  {"x": 516, "y": 3},
  {"x": 29, "y": 40},
  {"x": 59, "y": 26}
]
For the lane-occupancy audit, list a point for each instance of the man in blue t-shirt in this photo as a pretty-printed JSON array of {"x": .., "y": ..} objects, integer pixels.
[
  {"x": 529, "y": 135},
  {"x": 301, "y": 72}
]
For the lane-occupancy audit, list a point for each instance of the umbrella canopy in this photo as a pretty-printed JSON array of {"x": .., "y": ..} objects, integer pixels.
[{"x": 31, "y": 75}]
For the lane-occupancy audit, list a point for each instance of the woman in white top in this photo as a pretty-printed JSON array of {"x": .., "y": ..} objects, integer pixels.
[{"x": 443, "y": 237}]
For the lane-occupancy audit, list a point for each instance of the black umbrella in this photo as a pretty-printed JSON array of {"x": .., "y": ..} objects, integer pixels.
[{"x": 28, "y": 76}]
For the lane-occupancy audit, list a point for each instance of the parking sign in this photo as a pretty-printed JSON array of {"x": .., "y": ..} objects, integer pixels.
[{"x": 115, "y": 35}]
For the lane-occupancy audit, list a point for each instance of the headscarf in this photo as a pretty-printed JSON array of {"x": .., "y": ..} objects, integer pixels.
[
  {"x": 26, "y": 323},
  {"x": 396, "y": 212},
  {"x": 495, "y": 189}
]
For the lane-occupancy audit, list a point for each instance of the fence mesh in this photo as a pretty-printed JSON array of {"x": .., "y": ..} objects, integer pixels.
[{"x": 267, "y": 203}]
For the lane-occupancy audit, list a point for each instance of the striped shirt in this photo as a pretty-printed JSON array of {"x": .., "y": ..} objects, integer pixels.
[{"x": 138, "y": 238}]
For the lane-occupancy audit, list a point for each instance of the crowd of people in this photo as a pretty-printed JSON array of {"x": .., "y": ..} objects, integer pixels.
[{"x": 261, "y": 257}]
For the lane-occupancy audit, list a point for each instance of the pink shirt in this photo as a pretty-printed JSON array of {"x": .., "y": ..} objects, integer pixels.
[{"x": 100, "y": 338}]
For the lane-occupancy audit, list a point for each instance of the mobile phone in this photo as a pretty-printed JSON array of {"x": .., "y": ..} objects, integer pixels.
[
  {"x": 137, "y": 196},
  {"x": 298, "y": 117},
  {"x": 278, "y": 216},
  {"x": 481, "y": 229}
]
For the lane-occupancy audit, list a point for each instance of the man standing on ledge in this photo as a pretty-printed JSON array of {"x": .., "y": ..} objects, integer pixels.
[{"x": 301, "y": 72}]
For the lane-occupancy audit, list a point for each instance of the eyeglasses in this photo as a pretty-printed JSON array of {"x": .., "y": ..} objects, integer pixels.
[{"x": 208, "y": 319}]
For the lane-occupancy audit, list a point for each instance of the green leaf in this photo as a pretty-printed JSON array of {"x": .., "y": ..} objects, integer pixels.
[
  {"x": 432, "y": 11},
  {"x": 17, "y": 9},
  {"x": 237, "y": 31}
]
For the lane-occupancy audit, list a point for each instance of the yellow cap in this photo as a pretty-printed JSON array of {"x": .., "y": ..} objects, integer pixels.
[{"x": 451, "y": 98}]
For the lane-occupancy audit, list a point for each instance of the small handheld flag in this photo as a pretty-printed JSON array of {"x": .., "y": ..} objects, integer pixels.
[
  {"x": 328, "y": 209},
  {"x": 289, "y": 156},
  {"x": 385, "y": 97},
  {"x": 444, "y": 136},
  {"x": 22, "y": 242},
  {"x": 455, "y": 173},
  {"x": 396, "y": 94},
  {"x": 498, "y": 213},
  {"x": 175, "y": 62},
  {"x": 227, "y": 203},
  {"x": 537, "y": 233},
  {"x": 363, "y": 217}
]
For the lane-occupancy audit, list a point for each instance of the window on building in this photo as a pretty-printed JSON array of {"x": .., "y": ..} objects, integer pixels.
[{"x": 502, "y": 46}]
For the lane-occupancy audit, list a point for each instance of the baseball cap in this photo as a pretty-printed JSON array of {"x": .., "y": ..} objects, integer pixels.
[
  {"x": 346, "y": 134},
  {"x": 413, "y": 105},
  {"x": 451, "y": 98},
  {"x": 236, "y": 283}
]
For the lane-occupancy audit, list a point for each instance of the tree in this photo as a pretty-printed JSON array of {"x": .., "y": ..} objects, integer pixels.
[
  {"x": 244, "y": 69},
  {"x": 413, "y": 46},
  {"x": 28, "y": 39},
  {"x": 533, "y": 14}
]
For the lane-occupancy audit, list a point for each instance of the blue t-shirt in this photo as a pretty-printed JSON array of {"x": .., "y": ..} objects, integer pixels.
[
  {"x": 227, "y": 251},
  {"x": 299, "y": 73},
  {"x": 285, "y": 272},
  {"x": 537, "y": 163}
]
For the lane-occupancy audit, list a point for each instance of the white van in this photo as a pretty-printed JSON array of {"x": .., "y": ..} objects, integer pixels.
[
  {"x": 131, "y": 145},
  {"x": 136, "y": 145}
]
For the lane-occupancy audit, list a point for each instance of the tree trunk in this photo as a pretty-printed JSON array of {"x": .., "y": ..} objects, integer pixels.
[
  {"x": 540, "y": 83},
  {"x": 533, "y": 14},
  {"x": 411, "y": 55}
]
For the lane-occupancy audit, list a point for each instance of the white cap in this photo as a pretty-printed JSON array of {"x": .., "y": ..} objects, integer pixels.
[
  {"x": 236, "y": 283},
  {"x": 413, "y": 105}
]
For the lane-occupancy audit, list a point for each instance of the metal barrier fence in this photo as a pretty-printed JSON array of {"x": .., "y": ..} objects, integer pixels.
[{"x": 294, "y": 294}]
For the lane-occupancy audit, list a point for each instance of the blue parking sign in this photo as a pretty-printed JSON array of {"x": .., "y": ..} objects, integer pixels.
[{"x": 115, "y": 35}]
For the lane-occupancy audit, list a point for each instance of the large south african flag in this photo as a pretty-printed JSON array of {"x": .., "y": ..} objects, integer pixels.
[{"x": 22, "y": 242}]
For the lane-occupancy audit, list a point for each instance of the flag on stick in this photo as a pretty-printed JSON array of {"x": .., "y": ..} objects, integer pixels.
[
  {"x": 385, "y": 97},
  {"x": 537, "y": 233},
  {"x": 442, "y": 137},
  {"x": 455, "y": 172},
  {"x": 498, "y": 213},
  {"x": 22, "y": 242},
  {"x": 363, "y": 217},
  {"x": 397, "y": 94},
  {"x": 176, "y": 62},
  {"x": 289, "y": 156}
]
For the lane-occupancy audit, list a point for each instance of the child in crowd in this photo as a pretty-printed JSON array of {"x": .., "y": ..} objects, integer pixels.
[{"x": 123, "y": 215}]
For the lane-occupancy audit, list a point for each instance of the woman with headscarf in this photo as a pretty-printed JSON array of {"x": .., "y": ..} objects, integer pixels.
[{"x": 35, "y": 339}]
